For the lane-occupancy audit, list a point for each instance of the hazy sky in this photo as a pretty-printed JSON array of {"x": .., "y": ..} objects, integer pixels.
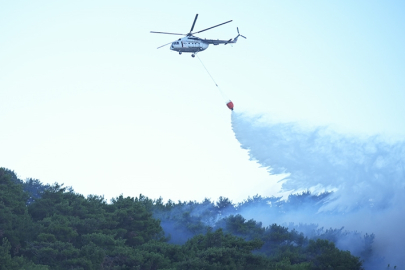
[{"x": 87, "y": 100}]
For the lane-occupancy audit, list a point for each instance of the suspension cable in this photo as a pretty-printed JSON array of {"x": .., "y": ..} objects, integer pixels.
[
  {"x": 220, "y": 91},
  {"x": 207, "y": 70}
]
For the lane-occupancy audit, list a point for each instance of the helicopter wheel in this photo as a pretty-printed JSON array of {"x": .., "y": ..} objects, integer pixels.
[
  {"x": 193, "y": 55},
  {"x": 180, "y": 53}
]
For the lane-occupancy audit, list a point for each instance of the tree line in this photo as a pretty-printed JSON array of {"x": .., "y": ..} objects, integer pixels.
[{"x": 52, "y": 227}]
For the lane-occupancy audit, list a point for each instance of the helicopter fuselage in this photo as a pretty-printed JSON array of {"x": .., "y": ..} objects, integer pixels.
[{"x": 190, "y": 45}]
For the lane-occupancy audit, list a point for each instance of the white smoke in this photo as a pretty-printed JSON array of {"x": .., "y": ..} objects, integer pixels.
[{"x": 366, "y": 175}]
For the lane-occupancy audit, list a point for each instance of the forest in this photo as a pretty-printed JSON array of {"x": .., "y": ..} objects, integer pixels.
[{"x": 53, "y": 227}]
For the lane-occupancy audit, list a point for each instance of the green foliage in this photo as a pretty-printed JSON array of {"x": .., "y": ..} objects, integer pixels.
[
  {"x": 84, "y": 233},
  {"x": 324, "y": 255},
  {"x": 237, "y": 225},
  {"x": 217, "y": 250},
  {"x": 57, "y": 229},
  {"x": 15, "y": 223},
  {"x": 285, "y": 264},
  {"x": 138, "y": 223},
  {"x": 6, "y": 261},
  {"x": 17, "y": 262}
]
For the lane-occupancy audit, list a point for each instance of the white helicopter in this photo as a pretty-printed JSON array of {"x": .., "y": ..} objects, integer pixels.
[{"x": 193, "y": 44}]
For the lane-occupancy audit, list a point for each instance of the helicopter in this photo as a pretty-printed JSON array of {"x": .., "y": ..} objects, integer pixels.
[{"x": 192, "y": 44}]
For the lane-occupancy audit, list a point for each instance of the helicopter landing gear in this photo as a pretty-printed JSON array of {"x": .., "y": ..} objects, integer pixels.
[
  {"x": 180, "y": 53},
  {"x": 193, "y": 55}
]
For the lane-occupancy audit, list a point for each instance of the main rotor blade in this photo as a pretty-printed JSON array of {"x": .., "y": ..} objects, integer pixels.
[
  {"x": 165, "y": 45},
  {"x": 167, "y": 33},
  {"x": 227, "y": 41},
  {"x": 211, "y": 27},
  {"x": 192, "y": 27}
]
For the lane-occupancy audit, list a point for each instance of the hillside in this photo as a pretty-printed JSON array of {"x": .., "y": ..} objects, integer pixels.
[{"x": 52, "y": 227}]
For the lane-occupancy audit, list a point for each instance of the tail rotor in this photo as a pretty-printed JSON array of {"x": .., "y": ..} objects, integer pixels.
[{"x": 239, "y": 35}]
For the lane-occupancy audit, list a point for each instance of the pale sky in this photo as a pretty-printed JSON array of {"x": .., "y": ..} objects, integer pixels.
[{"x": 87, "y": 100}]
